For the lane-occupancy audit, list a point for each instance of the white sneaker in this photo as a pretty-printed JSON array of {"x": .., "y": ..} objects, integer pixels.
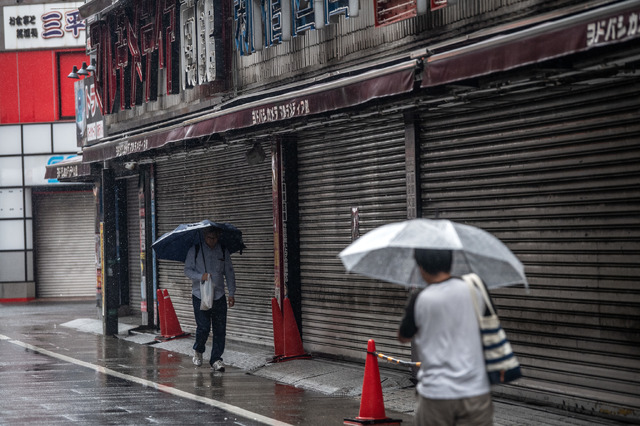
[
  {"x": 218, "y": 366},
  {"x": 197, "y": 358}
]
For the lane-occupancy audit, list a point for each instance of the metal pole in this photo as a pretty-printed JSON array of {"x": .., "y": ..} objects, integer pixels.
[{"x": 110, "y": 286}]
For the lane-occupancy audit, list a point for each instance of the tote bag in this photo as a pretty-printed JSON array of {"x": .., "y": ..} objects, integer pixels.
[
  {"x": 206, "y": 294},
  {"x": 502, "y": 365}
]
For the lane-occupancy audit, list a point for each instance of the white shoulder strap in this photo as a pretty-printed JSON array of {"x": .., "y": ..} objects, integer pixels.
[{"x": 474, "y": 281}]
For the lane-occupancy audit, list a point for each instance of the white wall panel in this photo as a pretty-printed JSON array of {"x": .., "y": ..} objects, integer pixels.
[
  {"x": 37, "y": 138},
  {"x": 64, "y": 137},
  {"x": 10, "y": 140}
]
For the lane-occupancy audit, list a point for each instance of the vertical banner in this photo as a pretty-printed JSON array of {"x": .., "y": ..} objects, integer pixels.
[
  {"x": 278, "y": 249},
  {"x": 104, "y": 304},
  {"x": 93, "y": 117},
  {"x": 141, "y": 217},
  {"x": 152, "y": 191},
  {"x": 81, "y": 116},
  {"x": 98, "y": 250}
]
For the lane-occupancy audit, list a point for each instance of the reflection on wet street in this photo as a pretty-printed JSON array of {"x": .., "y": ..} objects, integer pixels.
[
  {"x": 81, "y": 377},
  {"x": 37, "y": 389}
]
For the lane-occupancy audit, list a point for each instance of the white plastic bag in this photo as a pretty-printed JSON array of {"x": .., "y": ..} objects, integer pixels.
[{"x": 206, "y": 294}]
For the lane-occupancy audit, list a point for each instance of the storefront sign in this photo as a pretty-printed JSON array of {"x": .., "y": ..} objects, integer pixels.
[
  {"x": 55, "y": 160},
  {"x": 94, "y": 117},
  {"x": 578, "y": 33},
  {"x": 613, "y": 28},
  {"x": 263, "y": 23},
  {"x": 67, "y": 172},
  {"x": 201, "y": 24},
  {"x": 132, "y": 45},
  {"x": 89, "y": 118},
  {"x": 391, "y": 11},
  {"x": 347, "y": 92},
  {"x": 277, "y": 25},
  {"x": 438, "y": 4},
  {"x": 131, "y": 147},
  {"x": 247, "y": 14},
  {"x": 43, "y": 26},
  {"x": 69, "y": 168},
  {"x": 280, "y": 112}
]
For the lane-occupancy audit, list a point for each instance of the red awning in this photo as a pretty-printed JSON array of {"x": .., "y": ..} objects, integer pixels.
[
  {"x": 599, "y": 27},
  {"x": 320, "y": 98},
  {"x": 71, "y": 170}
]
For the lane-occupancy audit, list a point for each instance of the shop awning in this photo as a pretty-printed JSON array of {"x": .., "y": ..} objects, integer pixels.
[
  {"x": 323, "y": 97},
  {"x": 596, "y": 28},
  {"x": 71, "y": 170}
]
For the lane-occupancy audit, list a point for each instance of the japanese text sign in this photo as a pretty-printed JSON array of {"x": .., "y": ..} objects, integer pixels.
[{"x": 43, "y": 26}]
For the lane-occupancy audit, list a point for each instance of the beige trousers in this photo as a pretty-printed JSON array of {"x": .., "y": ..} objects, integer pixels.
[{"x": 474, "y": 411}]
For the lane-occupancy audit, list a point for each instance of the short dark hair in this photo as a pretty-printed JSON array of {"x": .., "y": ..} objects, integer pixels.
[{"x": 433, "y": 261}]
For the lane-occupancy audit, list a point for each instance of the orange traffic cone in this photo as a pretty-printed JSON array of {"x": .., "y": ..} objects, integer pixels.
[
  {"x": 172, "y": 328},
  {"x": 278, "y": 331},
  {"x": 371, "y": 402},
  {"x": 292, "y": 341}
]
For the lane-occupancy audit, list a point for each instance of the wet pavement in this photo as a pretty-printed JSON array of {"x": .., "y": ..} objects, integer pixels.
[
  {"x": 83, "y": 374},
  {"x": 40, "y": 389},
  {"x": 57, "y": 368}
]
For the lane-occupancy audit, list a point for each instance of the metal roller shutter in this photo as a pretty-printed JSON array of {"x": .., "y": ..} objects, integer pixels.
[
  {"x": 556, "y": 176},
  {"x": 359, "y": 164},
  {"x": 65, "y": 244},
  {"x": 133, "y": 229},
  {"x": 219, "y": 185}
]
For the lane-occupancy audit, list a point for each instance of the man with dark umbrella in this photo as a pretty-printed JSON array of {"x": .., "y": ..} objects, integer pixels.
[{"x": 203, "y": 261}]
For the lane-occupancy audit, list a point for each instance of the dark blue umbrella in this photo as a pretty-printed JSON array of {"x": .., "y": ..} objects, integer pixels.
[{"x": 174, "y": 245}]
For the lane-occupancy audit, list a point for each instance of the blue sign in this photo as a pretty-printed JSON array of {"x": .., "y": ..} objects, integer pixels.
[{"x": 279, "y": 20}]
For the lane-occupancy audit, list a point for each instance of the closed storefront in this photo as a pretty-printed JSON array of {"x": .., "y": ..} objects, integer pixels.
[
  {"x": 351, "y": 180},
  {"x": 518, "y": 117},
  {"x": 133, "y": 233},
  {"x": 221, "y": 186},
  {"x": 65, "y": 243},
  {"x": 555, "y": 174}
]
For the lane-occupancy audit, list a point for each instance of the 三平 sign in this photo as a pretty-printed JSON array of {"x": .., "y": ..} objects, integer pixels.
[{"x": 43, "y": 26}]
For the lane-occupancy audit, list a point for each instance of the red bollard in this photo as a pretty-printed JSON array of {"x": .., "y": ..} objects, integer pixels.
[{"x": 371, "y": 402}]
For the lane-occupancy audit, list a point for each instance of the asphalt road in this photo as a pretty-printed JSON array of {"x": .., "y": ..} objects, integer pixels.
[
  {"x": 40, "y": 389},
  {"x": 54, "y": 374}
]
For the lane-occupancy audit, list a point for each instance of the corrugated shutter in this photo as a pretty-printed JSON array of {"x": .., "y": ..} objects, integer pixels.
[
  {"x": 219, "y": 185},
  {"x": 358, "y": 164},
  {"x": 133, "y": 230},
  {"x": 65, "y": 244},
  {"x": 556, "y": 176}
]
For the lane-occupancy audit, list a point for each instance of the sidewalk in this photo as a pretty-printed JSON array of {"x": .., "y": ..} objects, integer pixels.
[{"x": 338, "y": 379}]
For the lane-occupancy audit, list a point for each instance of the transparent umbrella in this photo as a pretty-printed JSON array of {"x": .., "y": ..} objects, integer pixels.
[{"x": 386, "y": 253}]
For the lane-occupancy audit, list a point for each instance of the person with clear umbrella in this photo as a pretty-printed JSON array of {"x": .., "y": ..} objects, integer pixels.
[
  {"x": 453, "y": 387},
  {"x": 442, "y": 319}
]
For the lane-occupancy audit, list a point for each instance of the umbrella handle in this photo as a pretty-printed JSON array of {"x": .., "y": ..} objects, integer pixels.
[{"x": 199, "y": 248}]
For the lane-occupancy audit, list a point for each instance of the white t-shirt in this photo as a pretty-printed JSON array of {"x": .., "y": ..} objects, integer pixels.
[{"x": 448, "y": 342}]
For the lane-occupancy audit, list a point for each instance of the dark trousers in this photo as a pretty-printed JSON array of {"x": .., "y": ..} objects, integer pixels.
[{"x": 216, "y": 317}]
